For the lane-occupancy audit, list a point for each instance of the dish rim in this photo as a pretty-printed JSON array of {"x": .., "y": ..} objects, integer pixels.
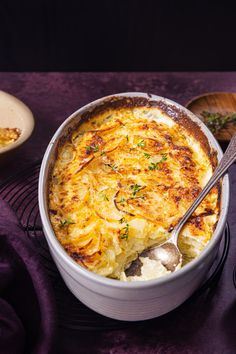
[{"x": 115, "y": 283}]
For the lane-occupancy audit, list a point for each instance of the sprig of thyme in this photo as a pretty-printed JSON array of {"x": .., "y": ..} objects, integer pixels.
[
  {"x": 93, "y": 148},
  {"x": 113, "y": 167},
  {"x": 125, "y": 234},
  {"x": 141, "y": 144},
  {"x": 155, "y": 165},
  {"x": 66, "y": 222},
  {"x": 164, "y": 157},
  {"x": 122, "y": 220},
  {"x": 122, "y": 200},
  {"x": 146, "y": 155},
  {"x": 136, "y": 188},
  {"x": 216, "y": 121}
]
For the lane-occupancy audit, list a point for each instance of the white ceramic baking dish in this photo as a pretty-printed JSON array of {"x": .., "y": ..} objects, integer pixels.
[{"x": 130, "y": 301}]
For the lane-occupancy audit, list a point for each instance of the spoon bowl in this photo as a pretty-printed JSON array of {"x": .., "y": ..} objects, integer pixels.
[{"x": 168, "y": 254}]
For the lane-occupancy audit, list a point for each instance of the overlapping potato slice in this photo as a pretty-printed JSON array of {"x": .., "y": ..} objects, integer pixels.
[{"x": 120, "y": 184}]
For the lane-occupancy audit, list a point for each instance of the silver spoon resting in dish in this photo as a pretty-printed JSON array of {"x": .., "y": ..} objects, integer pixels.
[{"x": 168, "y": 252}]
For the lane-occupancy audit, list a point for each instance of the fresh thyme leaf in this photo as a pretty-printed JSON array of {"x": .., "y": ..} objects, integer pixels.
[
  {"x": 106, "y": 198},
  {"x": 141, "y": 143},
  {"x": 125, "y": 234},
  {"x": 113, "y": 167},
  {"x": 136, "y": 188},
  {"x": 103, "y": 153},
  {"x": 153, "y": 166},
  {"x": 66, "y": 222},
  {"x": 93, "y": 148},
  {"x": 122, "y": 200},
  {"x": 164, "y": 157},
  {"x": 216, "y": 121},
  {"x": 122, "y": 220},
  {"x": 127, "y": 137},
  {"x": 147, "y": 155}
]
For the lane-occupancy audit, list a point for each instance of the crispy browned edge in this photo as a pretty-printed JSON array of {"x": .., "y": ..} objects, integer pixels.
[{"x": 116, "y": 102}]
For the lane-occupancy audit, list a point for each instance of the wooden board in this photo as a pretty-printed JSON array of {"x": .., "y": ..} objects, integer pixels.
[{"x": 222, "y": 102}]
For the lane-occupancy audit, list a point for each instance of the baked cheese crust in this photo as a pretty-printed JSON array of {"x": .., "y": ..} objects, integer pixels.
[{"x": 122, "y": 180}]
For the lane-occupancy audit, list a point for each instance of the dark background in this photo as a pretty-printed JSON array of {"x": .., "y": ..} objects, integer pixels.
[{"x": 124, "y": 35}]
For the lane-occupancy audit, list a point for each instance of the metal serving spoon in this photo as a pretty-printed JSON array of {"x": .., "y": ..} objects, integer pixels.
[{"x": 168, "y": 253}]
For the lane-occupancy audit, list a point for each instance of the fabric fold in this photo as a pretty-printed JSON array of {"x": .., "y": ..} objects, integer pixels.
[{"x": 27, "y": 308}]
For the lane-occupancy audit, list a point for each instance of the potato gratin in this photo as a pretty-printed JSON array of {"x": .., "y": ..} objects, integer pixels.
[{"x": 122, "y": 180}]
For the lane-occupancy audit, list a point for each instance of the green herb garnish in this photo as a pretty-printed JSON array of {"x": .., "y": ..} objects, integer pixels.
[
  {"x": 147, "y": 155},
  {"x": 155, "y": 165},
  {"x": 125, "y": 235},
  {"x": 164, "y": 157},
  {"x": 106, "y": 198},
  {"x": 122, "y": 220},
  {"x": 136, "y": 188},
  {"x": 103, "y": 153},
  {"x": 66, "y": 222},
  {"x": 138, "y": 197},
  {"x": 127, "y": 137},
  {"x": 141, "y": 144},
  {"x": 216, "y": 121},
  {"x": 93, "y": 148},
  {"x": 113, "y": 167},
  {"x": 122, "y": 200}
]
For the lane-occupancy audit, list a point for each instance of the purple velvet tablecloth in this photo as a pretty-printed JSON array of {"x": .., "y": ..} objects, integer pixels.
[{"x": 52, "y": 97}]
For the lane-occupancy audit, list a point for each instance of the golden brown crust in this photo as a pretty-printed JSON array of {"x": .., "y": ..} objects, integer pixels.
[
  {"x": 172, "y": 111},
  {"x": 175, "y": 113}
]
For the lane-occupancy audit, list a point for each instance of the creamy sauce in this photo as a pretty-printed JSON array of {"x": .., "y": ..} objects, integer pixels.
[{"x": 151, "y": 269}]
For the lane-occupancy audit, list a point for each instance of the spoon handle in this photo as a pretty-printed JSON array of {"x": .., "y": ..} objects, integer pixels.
[{"x": 228, "y": 158}]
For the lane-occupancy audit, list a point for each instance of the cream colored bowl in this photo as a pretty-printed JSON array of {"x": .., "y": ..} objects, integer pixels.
[
  {"x": 130, "y": 301},
  {"x": 15, "y": 114}
]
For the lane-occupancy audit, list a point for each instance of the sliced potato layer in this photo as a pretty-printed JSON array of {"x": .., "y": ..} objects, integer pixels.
[{"x": 120, "y": 184}]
